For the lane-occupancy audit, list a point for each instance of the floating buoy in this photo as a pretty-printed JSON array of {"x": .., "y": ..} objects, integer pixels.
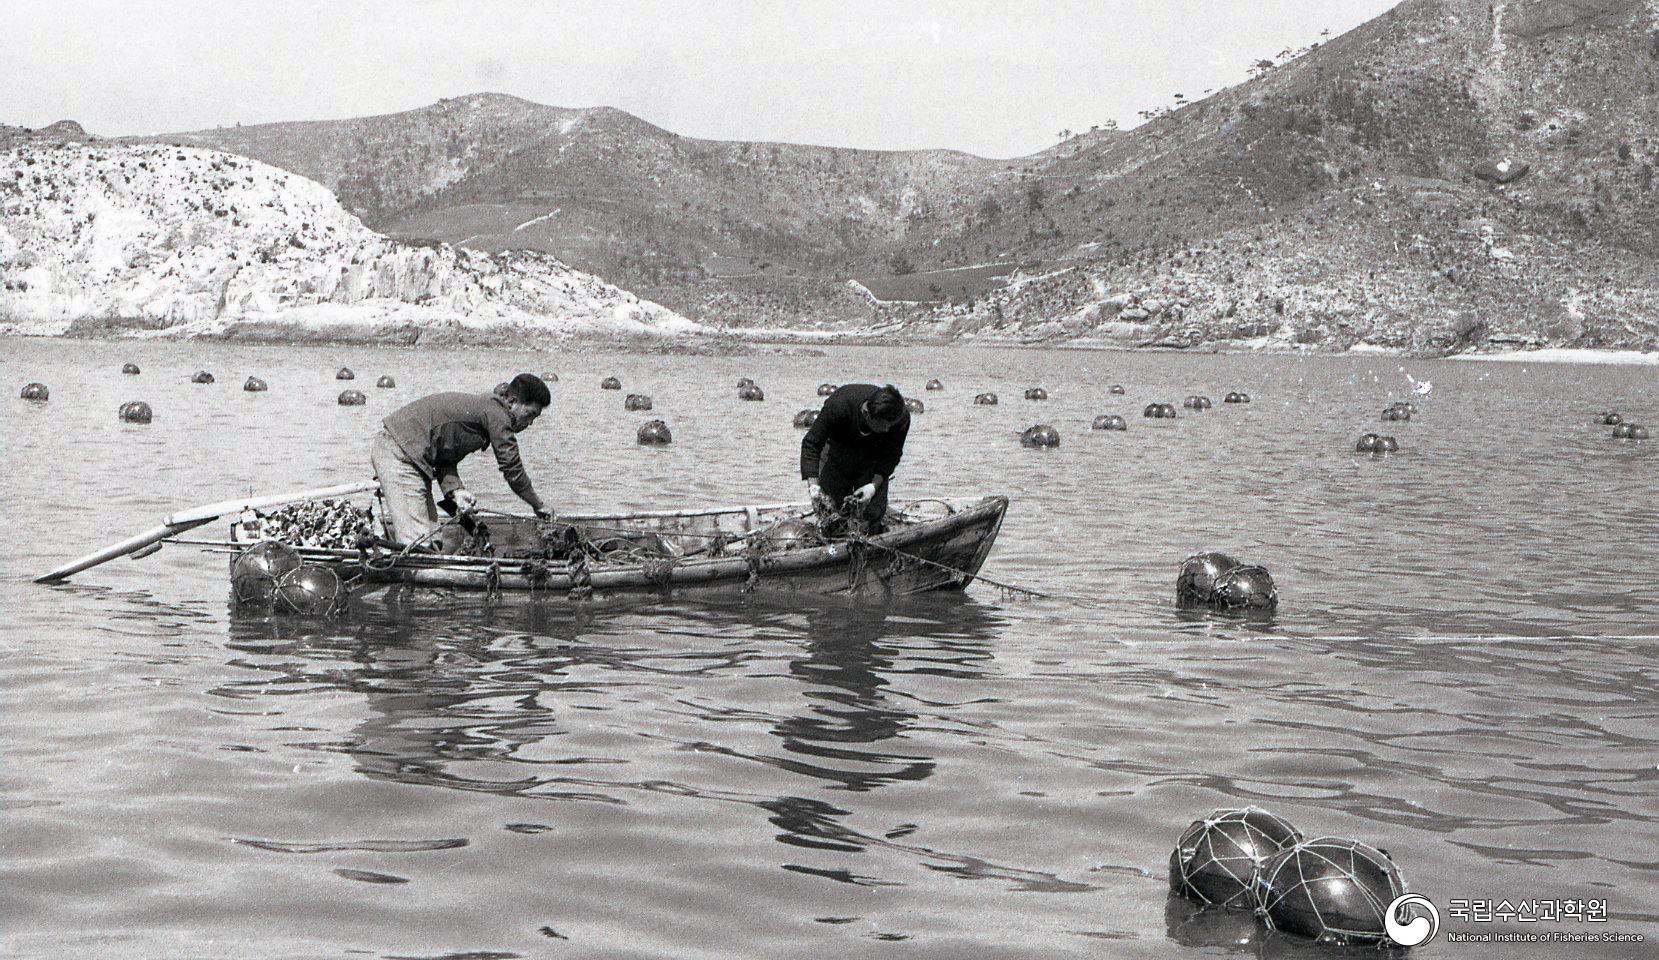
[
  {"x": 1196, "y": 583},
  {"x": 1197, "y": 403},
  {"x": 130, "y": 368},
  {"x": 385, "y": 383},
  {"x": 1405, "y": 405},
  {"x": 1036, "y": 393},
  {"x": 1377, "y": 444},
  {"x": 1159, "y": 411},
  {"x": 255, "y": 385},
  {"x": 986, "y": 399},
  {"x": 806, "y": 418},
  {"x": 1630, "y": 431},
  {"x": 610, "y": 383},
  {"x": 352, "y": 398},
  {"x": 135, "y": 411},
  {"x": 36, "y": 392},
  {"x": 1116, "y": 388},
  {"x": 344, "y": 373},
  {"x": 1041, "y": 435},
  {"x": 255, "y": 573},
  {"x": 935, "y": 385},
  {"x": 201, "y": 376},
  {"x": 825, "y": 389},
  {"x": 913, "y": 405},
  {"x": 1334, "y": 890},
  {"x": 1246, "y": 588},
  {"x": 310, "y": 590},
  {"x": 1109, "y": 421},
  {"x": 1611, "y": 419},
  {"x": 1234, "y": 398},
  {"x": 751, "y": 392},
  {"x": 1396, "y": 413},
  {"x": 1216, "y": 858},
  {"x": 637, "y": 401},
  {"x": 655, "y": 432},
  {"x": 744, "y": 382}
]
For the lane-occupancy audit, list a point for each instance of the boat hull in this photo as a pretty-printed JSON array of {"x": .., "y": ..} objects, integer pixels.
[{"x": 934, "y": 554}]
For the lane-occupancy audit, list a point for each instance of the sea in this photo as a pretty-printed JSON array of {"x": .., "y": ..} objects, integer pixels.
[{"x": 1463, "y": 669}]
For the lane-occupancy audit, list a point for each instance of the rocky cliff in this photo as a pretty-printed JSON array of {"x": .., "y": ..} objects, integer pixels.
[{"x": 191, "y": 241}]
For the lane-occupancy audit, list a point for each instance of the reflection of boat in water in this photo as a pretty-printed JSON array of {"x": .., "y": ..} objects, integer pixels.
[{"x": 692, "y": 552}]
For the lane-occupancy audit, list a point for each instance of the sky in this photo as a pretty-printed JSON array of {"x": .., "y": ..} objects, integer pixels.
[{"x": 998, "y": 79}]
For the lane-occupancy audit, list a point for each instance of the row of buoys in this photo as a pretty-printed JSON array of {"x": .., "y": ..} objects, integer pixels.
[
  {"x": 272, "y": 574},
  {"x": 1377, "y": 444},
  {"x": 1217, "y": 580},
  {"x": 1159, "y": 411},
  {"x": 1041, "y": 435},
  {"x": 1109, "y": 421},
  {"x": 135, "y": 411},
  {"x": 636, "y": 401},
  {"x": 1334, "y": 890},
  {"x": 655, "y": 432},
  {"x": 1236, "y": 397},
  {"x": 1197, "y": 403},
  {"x": 1630, "y": 431},
  {"x": 825, "y": 389}
]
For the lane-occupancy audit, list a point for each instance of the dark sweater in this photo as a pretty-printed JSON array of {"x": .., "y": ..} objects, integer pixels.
[
  {"x": 437, "y": 431},
  {"x": 853, "y": 457}
]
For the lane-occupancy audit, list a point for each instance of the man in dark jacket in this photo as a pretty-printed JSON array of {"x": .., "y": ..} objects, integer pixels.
[
  {"x": 853, "y": 448},
  {"x": 425, "y": 441}
]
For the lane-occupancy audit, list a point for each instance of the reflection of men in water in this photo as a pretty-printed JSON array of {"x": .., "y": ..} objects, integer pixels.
[
  {"x": 853, "y": 448},
  {"x": 425, "y": 441}
]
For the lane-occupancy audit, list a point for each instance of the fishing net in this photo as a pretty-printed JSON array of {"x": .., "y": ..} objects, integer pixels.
[
  {"x": 1336, "y": 891},
  {"x": 310, "y": 590},
  {"x": 257, "y": 572},
  {"x": 1216, "y": 858}
]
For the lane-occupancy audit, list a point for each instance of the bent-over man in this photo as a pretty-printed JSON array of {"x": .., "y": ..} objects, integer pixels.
[
  {"x": 853, "y": 448},
  {"x": 426, "y": 441}
]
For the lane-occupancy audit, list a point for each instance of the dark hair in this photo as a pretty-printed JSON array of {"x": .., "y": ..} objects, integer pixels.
[
  {"x": 887, "y": 405},
  {"x": 529, "y": 388}
]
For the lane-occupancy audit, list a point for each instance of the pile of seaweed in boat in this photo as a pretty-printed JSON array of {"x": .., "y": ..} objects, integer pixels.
[{"x": 331, "y": 524}]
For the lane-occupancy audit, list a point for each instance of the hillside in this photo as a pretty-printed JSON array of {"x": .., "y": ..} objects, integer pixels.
[
  {"x": 608, "y": 192},
  {"x": 1452, "y": 174},
  {"x": 98, "y": 236},
  {"x": 1446, "y": 174}
]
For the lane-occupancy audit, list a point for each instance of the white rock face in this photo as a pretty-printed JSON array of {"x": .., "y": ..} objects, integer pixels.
[{"x": 188, "y": 241}]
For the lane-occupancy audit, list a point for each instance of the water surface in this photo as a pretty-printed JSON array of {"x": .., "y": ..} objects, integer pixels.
[{"x": 1461, "y": 672}]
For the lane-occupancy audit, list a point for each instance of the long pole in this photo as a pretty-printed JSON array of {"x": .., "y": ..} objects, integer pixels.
[{"x": 194, "y": 517}]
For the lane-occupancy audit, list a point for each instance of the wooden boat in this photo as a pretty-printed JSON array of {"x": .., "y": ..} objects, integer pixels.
[{"x": 929, "y": 545}]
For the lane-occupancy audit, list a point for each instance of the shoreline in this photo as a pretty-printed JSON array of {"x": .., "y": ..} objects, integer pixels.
[{"x": 739, "y": 341}]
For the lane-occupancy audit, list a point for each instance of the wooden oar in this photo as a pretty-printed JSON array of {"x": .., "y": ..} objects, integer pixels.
[{"x": 195, "y": 517}]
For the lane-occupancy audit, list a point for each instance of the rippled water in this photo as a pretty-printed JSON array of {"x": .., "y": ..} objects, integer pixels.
[{"x": 1462, "y": 670}]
